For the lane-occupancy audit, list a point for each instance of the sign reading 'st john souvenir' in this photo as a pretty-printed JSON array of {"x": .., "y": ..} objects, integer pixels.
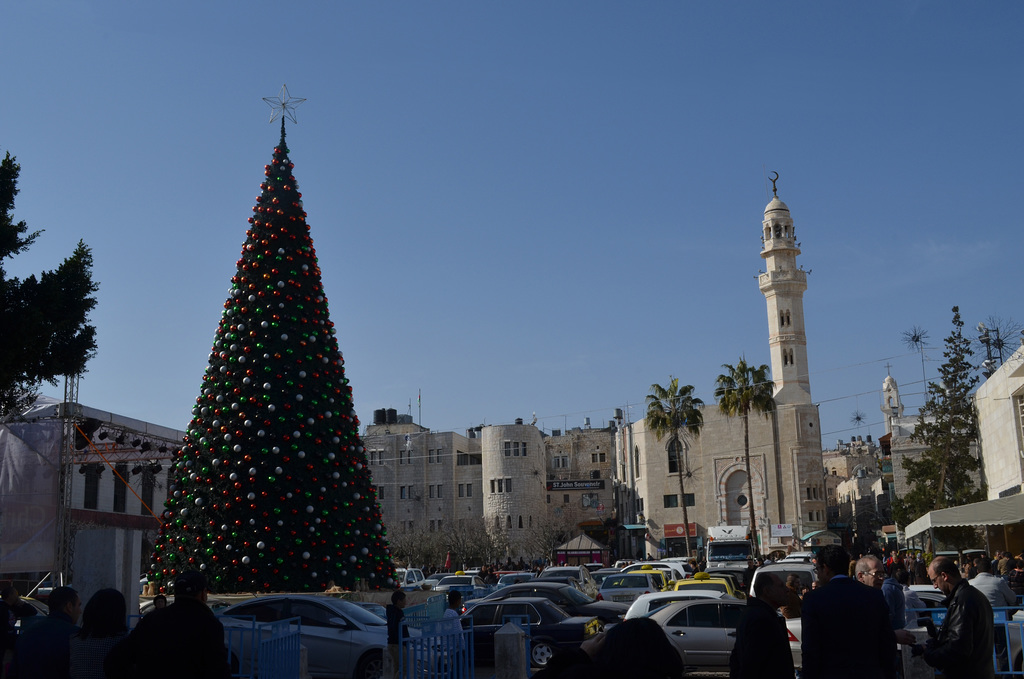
[{"x": 576, "y": 485}]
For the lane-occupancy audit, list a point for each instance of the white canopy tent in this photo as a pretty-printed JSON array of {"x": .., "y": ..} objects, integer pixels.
[{"x": 1001, "y": 512}]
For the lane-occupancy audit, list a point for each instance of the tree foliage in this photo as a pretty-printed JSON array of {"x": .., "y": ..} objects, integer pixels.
[
  {"x": 944, "y": 474},
  {"x": 674, "y": 411},
  {"x": 739, "y": 391},
  {"x": 46, "y": 333}
]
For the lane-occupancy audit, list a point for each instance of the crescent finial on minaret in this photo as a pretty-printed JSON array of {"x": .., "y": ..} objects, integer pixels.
[{"x": 775, "y": 191}]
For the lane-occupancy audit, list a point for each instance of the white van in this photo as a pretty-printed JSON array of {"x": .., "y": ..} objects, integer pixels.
[{"x": 409, "y": 578}]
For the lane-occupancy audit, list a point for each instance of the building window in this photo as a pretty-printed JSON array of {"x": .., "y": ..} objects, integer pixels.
[
  {"x": 691, "y": 500},
  {"x": 508, "y": 485},
  {"x": 520, "y": 520},
  {"x": 508, "y": 452},
  {"x": 431, "y": 492},
  {"x": 439, "y": 491},
  {"x": 524, "y": 448},
  {"x": 430, "y": 456},
  {"x": 380, "y": 492},
  {"x": 671, "y": 501},
  {"x": 515, "y": 449},
  {"x": 120, "y": 487},
  {"x": 469, "y": 490},
  {"x": 492, "y": 486},
  {"x": 565, "y": 499},
  {"x": 402, "y": 492},
  {"x": 462, "y": 490},
  {"x": 508, "y": 521},
  {"x": 597, "y": 457},
  {"x": 675, "y": 448}
]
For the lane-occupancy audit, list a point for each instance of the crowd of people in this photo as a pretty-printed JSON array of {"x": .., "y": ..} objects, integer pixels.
[{"x": 56, "y": 647}]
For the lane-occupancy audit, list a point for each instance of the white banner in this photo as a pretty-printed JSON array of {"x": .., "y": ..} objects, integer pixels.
[{"x": 782, "y": 530}]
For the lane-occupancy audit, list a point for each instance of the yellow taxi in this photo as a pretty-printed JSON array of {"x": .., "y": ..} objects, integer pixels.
[
  {"x": 703, "y": 580},
  {"x": 660, "y": 576}
]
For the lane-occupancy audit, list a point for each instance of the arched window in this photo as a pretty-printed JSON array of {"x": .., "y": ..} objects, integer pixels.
[
  {"x": 675, "y": 450},
  {"x": 497, "y": 522},
  {"x": 531, "y": 520},
  {"x": 520, "y": 520},
  {"x": 509, "y": 520}
]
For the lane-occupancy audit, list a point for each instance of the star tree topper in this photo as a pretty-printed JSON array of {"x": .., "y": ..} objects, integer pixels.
[{"x": 283, "y": 106}]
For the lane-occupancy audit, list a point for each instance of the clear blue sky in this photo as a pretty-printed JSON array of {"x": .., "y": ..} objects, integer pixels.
[{"x": 528, "y": 207}]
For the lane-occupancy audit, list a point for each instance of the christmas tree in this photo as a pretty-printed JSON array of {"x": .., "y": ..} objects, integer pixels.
[{"x": 271, "y": 490}]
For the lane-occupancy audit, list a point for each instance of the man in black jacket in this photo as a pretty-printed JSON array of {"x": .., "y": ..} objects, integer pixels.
[
  {"x": 962, "y": 649},
  {"x": 12, "y": 609},
  {"x": 183, "y": 640},
  {"x": 845, "y": 625},
  {"x": 762, "y": 642},
  {"x": 44, "y": 650}
]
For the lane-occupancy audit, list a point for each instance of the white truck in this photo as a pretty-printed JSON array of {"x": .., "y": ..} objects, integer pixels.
[{"x": 730, "y": 546}]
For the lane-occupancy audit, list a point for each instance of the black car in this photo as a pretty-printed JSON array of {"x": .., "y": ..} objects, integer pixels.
[
  {"x": 551, "y": 628},
  {"x": 566, "y": 597}
]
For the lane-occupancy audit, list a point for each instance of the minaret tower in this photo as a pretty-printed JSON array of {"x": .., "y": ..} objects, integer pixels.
[{"x": 783, "y": 286}]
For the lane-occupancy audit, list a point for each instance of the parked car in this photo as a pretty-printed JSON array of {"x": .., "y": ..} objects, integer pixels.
[
  {"x": 676, "y": 570},
  {"x": 805, "y": 571},
  {"x": 646, "y": 604},
  {"x": 461, "y": 582},
  {"x": 514, "y": 578},
  {"x": 602, "y": 573},
  {"x": 344, "y": 641},
  {"x": 703, "y": 631},
  {"x": 566, "y": 597},
  {"x": 801, "y": 557},
  {"x": 626, "y": 587},
  {"x": 431, "y": 582},
  {"x": 409, "y": 578},
  {"x": 551, "y": 628},
  {"x": 586, "y": 581},
  {"x": 704, "y": 581}
]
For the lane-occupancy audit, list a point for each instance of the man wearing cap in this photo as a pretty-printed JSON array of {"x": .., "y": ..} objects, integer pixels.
[{"x": 183, "y": 640}]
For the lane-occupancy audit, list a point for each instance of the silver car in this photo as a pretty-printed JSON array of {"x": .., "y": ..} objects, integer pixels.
[
  {"x": 343, "y": 640},
  {"x": 646, "y": 604},
  {"x": 703, "y": 631}
]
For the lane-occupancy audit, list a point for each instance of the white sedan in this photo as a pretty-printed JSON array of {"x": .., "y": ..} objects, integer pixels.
[{"x": 648, "y": 603}]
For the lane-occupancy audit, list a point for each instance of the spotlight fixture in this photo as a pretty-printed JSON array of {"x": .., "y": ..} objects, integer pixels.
[
  {"x": 103, "y": 436},
  {"x": 162, "y": 449},
  {"x": 136, "y": 470},
  {"x": 146, "y": 446},
  {"x": 120, "y": 439},
  {"x": 136, "y": 443}
]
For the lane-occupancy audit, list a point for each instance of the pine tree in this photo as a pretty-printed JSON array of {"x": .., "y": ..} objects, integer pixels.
[
  {"x": 947, "y": 425},
  {"x": 272, "y": 490},
  {"x": 44, "y": 329}
]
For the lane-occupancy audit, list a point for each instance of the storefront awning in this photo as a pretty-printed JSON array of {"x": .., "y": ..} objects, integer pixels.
[
  {"x": 1000, "y": 512},
  {"x": 635, "y": 526}
]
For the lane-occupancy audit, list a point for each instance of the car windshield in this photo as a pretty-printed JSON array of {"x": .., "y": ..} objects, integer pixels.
[
  {"x": 576, "y": 596},
  {"x": 457, "y": 580},
  {"x": 725, "y": 551},
  {"x": 358, "y": 613}
]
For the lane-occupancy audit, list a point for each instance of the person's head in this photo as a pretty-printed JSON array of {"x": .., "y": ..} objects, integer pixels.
[
  {"x": 190, "y": 585},
  {"x": 65, "y": 600},
  {"x": 870, "y": 572},
  {"x": 454, "y": 599},
  {"x": 398, "y": 598},
  {"x": 793, "y": 582},
  {"x": 943, "y": 573},
  {"x": 832, "y": 560},
  {"x": 639, "y": 648},
  {"x": 983, "y": 565},
  {"x": 9, "y": 595},
  {"x": 770, "y": 589},
  {"x": 105, "y": 615},
  {"x": 159, "y": 601},
  {"x": 1013, "y": 563},
  {"x": 902, "y": 576}
]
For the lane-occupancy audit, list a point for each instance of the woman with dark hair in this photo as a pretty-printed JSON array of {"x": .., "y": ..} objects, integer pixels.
[
  {"x": 636, "y": 648},
  {"x": 104, "y": 624}
]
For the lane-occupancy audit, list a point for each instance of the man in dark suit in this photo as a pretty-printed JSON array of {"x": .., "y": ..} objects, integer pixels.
[
  {"x": 762, "y": 642},
  {"x": 846, "y": 630}
]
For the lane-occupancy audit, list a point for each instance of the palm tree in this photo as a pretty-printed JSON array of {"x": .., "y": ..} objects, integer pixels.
[
  {"x": 739, "y": 391},
  {"x": 675, "y": 411}
]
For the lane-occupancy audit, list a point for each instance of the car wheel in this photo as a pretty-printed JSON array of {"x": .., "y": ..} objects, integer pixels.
[
  {"x": 540, "y": 653},
  {"x": 370, "y": 666}
]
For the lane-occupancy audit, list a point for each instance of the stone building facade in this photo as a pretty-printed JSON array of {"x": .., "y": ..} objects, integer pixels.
[{"x": 1000, "y": 404}]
